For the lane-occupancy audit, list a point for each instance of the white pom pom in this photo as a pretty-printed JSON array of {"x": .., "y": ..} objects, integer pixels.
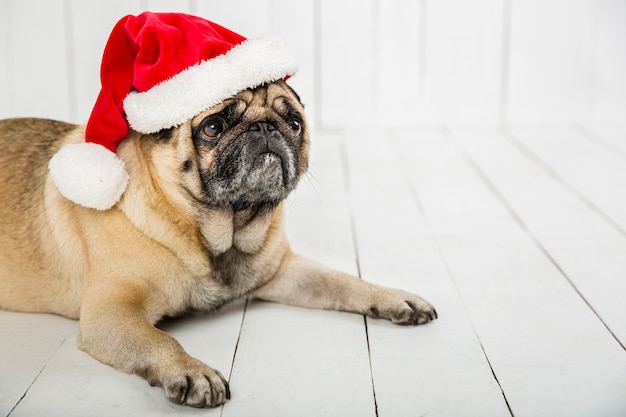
[{"x": 89, "y": 174}]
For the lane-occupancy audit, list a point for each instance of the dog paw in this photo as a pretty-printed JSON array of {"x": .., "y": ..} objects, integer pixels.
[
  {"x": 194, "y": 384},
  {"x": 404, "y": 309}
]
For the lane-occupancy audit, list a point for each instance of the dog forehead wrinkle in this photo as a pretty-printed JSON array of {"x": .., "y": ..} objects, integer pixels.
[
  {"x": 260, "y": 95},
  {"x": 284, "y": 106}
]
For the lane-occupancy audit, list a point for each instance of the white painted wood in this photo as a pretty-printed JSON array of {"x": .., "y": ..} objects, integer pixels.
[
  {"x": 549, "y": 351},
  {"x": 317, "y": 213},
  {"x": 6, "y": 91},
  {"x": 389, "y": 63},
  {"x": 183, "y": 6},
  {"x": 38, "y": 58},
  {"x": 75, "y": 384},
  {"x": 400, "y": 63},
  {"x": 292, "y": 361},
  {"x": 588, "y": 249},
  {"x": 91, "y": 24},
  {"x": 463, "y": 61},
  {"x": 27, "y": 343},
  {"x": 438, "y": 369},
  {"x": 247, "y": 17},
  {"x": 609, "y": 100},
  {"x": 612, "y": 136},
  {"x": 347, "y": 75},
  {"x": 550, "y": 61},
  {"x": 598, "y": 173}
]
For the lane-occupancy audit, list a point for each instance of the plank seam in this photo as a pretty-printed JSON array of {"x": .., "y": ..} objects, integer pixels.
[
  {"x": 232, "y": 365},
  {"x": 525, "y": 150},
  {"x": 431, "y": 230},
  {"x": 369, "y": 360},
  {"x": 37, "y": 376},
  {"x": 348, "y": 188},
  {"x": 598, "y": 139},
  {"x": 515, "y": 216}
]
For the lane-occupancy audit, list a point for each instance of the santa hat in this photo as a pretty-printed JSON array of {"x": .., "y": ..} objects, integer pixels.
[{"x": 158, "y": 71}]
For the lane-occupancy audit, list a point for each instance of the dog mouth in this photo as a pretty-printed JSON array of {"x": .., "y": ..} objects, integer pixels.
[
  {"x": 272, "y": 165},
  {"x": 268, "y": 178},
  {"x": 252, "y": 179}
]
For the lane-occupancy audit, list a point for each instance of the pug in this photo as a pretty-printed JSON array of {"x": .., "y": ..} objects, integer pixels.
[{"x": 199, "y": 225}]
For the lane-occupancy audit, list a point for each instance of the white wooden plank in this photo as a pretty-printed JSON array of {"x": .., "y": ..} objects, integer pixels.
[
  {"x": 6, "y": 92},
  {"x": 399, "y": 68},
  {"x": 293, "y": 361},
  {"x": 438, "y": 369},
  {"x": 463, "y": 61},
  {"x": 550, "y": 61},
  {"x": 595, "y": 171},
  {"x": 609, "y": 99},
  {"x": 182, "y": 6},
  {"x": 73, "y": 384},
  {"x": 611, "y": 135},
  {"x": 40, "y": 58},
  {"x": 91, "y": 24},
  {"x": 249, "y": 18},
  {"x": 587, "y": 248},
  {"x": 320, "y": 202},
  {"x": 346, "y": 66},
  {"x": 27, "y": 342},
  {"x": 549, "y": 351}
]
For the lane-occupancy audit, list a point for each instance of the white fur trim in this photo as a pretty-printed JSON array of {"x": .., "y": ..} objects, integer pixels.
[
  {"x": 89, "y": 174},
  {"x": 178, "y": 99}
]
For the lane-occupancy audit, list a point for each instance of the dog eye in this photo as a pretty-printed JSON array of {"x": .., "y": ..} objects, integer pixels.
[
  {"x": 296, "y": 126},
  {"x": 213, "y": 129}
]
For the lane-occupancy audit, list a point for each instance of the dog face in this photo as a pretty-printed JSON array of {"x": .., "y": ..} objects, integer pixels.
[{"x": 247, "y": 153}]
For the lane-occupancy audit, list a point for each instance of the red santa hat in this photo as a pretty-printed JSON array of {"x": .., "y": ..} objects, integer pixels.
[{"x": 158, "y": 71}]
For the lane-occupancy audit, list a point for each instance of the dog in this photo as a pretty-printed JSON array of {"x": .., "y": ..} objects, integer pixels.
[{"x": 200, "y": 225}]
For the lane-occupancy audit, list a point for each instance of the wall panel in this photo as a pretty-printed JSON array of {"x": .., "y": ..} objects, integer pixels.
[
  {"x": 463, "y": 61},
  {"x": 347, "y": 74},
  {"x": 609, "y": 60},
  {"x": 38, "y": 56},
  {"x": 399, "y": 62},
  {"x": 361, "y": 62},
  {"x": 91, "y": 24},
  {"x": 550, "y": 62}
]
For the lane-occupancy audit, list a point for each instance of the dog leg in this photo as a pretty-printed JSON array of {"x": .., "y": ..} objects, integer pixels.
[
  {"x": 305, "y": 283},
  {"x": 116, "y": 330}
]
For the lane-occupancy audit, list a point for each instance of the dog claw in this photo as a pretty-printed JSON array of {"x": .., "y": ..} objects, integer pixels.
[{"x": 200, "y": 386}]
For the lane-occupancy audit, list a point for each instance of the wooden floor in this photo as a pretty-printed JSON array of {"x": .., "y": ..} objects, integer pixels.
[{"x": 517, "y": 236}]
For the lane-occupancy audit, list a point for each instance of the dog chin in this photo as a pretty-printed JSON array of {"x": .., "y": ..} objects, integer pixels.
[{"x": 267, "y": 182}]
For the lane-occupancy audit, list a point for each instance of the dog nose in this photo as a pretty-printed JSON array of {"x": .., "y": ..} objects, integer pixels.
[{"x": 263, "y": 127}]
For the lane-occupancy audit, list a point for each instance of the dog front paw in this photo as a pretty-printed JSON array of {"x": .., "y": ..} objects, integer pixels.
[
  {"x": 193, "y": 383},
  {"x": 403, "y": 308}
]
